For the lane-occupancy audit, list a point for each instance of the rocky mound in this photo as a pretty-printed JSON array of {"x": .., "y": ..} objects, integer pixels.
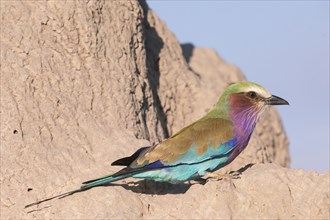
[{"x": 84, "y": 83}]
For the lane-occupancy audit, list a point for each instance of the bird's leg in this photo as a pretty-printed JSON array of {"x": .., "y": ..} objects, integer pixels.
[
  {"x": 216, "y": 176},
  {"x": 200, "y": 181}
]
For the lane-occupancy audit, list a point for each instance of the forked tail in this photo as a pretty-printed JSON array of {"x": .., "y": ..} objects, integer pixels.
[
  {"x": 121, "y": 174},
  {"x": 86, "y": 185}
]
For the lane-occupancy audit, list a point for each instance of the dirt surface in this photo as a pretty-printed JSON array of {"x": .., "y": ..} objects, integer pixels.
[{"x": 86, "y": 82}]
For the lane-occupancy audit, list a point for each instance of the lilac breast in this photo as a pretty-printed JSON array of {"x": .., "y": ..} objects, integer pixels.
[{"x": 244, "y": 114}]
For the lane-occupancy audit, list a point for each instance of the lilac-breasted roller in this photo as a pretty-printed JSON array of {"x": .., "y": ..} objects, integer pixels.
[{"x": 206, "y": 145}]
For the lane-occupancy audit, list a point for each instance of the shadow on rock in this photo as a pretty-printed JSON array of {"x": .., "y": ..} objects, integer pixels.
[
  {"x": 243, "y": 169},
  {"x": 187, "y": 51},
  {"x": 157, "y": 188},
  {"x": 153, "y": 44}
]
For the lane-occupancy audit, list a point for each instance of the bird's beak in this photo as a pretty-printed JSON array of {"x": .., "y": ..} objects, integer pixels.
[{"x": 275, "y": 100}]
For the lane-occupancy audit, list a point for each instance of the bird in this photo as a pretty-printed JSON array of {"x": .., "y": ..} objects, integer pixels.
[{"x": 202, "y": 147}]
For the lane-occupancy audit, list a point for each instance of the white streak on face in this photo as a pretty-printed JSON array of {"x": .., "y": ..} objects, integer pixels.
[{"x": 260, "y": 91}]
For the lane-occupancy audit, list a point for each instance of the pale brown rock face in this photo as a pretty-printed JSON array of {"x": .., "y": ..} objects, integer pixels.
[{"x": 86, "y": 82}]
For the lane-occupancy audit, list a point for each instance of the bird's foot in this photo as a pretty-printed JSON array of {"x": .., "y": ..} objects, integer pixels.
[
  {"x": 235, "y": 174},
  {"x": 227, "y": 176}
]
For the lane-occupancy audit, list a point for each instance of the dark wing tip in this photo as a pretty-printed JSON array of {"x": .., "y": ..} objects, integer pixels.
[
  {"x": 122, "y": 162},
  {"x": 126, "y": 161}
]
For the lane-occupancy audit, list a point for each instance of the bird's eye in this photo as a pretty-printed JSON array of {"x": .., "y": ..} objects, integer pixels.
[{"x": 251, "y": 94}]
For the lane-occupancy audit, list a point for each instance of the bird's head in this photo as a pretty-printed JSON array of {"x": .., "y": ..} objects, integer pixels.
[
  {"x": 251, "y": 94},
  {"x": 243, "y": 103},
  {"x": 247, "y": 99}
]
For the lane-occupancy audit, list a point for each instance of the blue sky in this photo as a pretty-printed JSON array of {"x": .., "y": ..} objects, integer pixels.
[{"x": 283, "y": 45}]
